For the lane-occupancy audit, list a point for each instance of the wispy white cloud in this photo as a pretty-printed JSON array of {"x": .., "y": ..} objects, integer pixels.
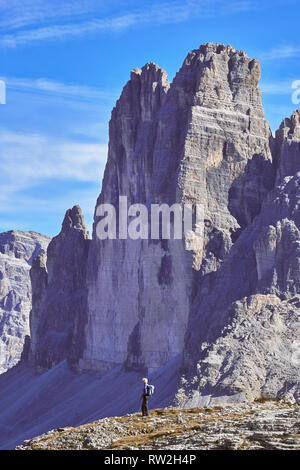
[
  {"x": 67, "y": 90},
  {"x": 281, "y": 52},
  {"x": 42, "y": 173},
  {"x": 16, "y": 14},
  {"x": 13, "y": 224},
  {"x": 29, "y": 162},
  {"x": 277, "y": 88},
  {"x": 26, "y": 159},
  {"x": 34, "y": 204},
  {"x": 152, "y": 13},
  {"x": 31, "y": 212},
  {"x": 67, "y": 31}
]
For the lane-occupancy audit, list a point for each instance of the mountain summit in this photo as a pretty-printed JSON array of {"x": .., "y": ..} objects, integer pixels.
[{"x": 202, "y": 139}]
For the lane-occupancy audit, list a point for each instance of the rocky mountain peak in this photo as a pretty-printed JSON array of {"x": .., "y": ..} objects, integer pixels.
[
  {"x": 22, "y": 245},
  {"x": 74, "y": 220},
  {"x": 290, "y": 127},
  {"x": 286, "y": 146},
  {"x": 59, "y": 294},
  {"x": 18, "y": 251},
  {"x": 216, "y": 75},
  {"x": 201, "y": 139}
]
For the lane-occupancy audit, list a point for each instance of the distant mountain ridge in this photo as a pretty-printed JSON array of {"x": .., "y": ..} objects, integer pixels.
[{"x": 17, "y": 251}]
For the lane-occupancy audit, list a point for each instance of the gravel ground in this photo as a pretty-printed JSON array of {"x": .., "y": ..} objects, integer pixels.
[{"x": 259, "y": 425}]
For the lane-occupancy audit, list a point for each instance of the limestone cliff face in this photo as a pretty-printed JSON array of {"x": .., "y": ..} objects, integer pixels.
[
  {"x": 257, "y": 353},
  {"x": 229, "y": 305},
  {"x": 17, "y": 252},
  {"x": 58, "y": 281},
  {"x": 243, "y": 337},
  {"x": 201, "y": 139},
  {"x": 286, "y": 147}
]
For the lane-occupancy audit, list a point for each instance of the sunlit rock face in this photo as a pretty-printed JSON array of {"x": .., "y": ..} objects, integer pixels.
[
  {"x": 201, "y": 139},
  {"x": 17, "y": 251},
  {"x": 243, "y": 338}
]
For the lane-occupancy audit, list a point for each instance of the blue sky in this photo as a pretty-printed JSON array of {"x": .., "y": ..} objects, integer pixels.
[{"x": 65, "y": 63}]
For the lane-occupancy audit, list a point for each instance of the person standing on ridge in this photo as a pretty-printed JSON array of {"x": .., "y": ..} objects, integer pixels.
[{"x": 145, "y": 396}]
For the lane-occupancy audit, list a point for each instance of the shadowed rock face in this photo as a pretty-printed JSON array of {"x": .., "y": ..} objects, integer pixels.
[
  {"x": 201, "y": 139},
  {"x": 17, "y": 252},
  {"x": 58, "y": 313}
]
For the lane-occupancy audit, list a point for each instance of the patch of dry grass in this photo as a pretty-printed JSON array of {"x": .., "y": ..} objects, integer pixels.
[
  {"x": 192, "y": 419},
  {"x": 264, "y": 399}
]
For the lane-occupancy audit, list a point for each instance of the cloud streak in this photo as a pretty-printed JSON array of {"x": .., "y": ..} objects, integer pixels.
[
  {"x": 67, "y": 90},
  {"x": 153, "y": 13},
  {"x": 277, "y": 88},
  {"x": 281, "y": 52},
  {"x": 42, "y": 175},
  {"x": 30, "y": 158},
  {"x": 16, "y": 14}
]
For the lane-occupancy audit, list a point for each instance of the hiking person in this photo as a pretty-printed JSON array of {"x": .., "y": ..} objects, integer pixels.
[
  {"x": 145, "y": 395},
  {"x": 148, "y": 391}
]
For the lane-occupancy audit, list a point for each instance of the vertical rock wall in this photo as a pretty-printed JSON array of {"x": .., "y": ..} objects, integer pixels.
[
  {"x": 58, "y": 315},
  {"x": 201, "y": 139}
]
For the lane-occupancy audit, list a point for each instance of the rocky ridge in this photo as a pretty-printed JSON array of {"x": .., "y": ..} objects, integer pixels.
[
  {"x": 17, "y": 251},
  {"x": 263, "y": 425}
]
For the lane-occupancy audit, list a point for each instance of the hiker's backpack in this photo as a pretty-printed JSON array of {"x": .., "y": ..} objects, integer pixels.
[{"x": 150, "y": 390}]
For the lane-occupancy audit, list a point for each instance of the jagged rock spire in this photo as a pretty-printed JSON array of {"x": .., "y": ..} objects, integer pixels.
[
  {"x": 286, "y": 146},
  {"x": 59, "y": 295}
]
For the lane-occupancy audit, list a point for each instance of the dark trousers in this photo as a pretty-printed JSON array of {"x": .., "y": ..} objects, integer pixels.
[{"x": 145, "y": 411}]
